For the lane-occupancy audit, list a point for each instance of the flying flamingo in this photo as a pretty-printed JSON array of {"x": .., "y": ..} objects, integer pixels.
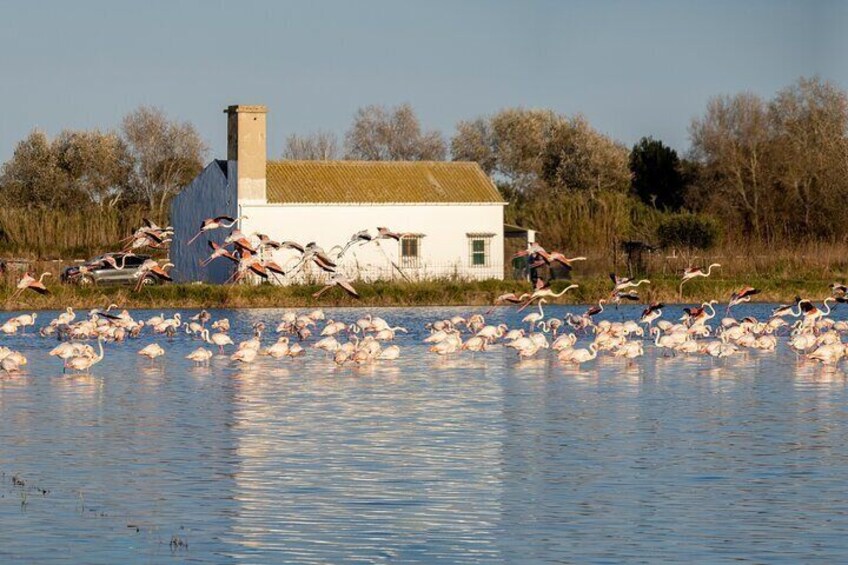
[
  {"x": 787, "y": 309},
  {"x": 694, "y": 272},
  {"x": 29, "y": 282},
  {"x": 838, "y": 289},
  {"x": 218, "y": 251},
  {"x": 151, "y": 267},
  {"x": 623, "y": 283},
  {"x": 509, "y": 297},
  {"x": 210, "y": 224},
  {"x": 544, "y": 290},
  {"x": 338, "y": 280},
  {"x": 742, "y": 295},
  {"x": 651, "y": 313},
  {"x": 111, "y": 261}
]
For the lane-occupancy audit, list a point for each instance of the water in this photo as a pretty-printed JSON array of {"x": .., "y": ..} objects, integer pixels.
[{"x": 479, "y": 458}]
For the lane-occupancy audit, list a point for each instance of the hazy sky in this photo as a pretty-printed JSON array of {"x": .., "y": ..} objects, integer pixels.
[{"x": 633, "y": 68}]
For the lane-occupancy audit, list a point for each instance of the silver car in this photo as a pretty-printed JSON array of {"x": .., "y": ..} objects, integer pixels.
[{"x": 123, "y": 269}]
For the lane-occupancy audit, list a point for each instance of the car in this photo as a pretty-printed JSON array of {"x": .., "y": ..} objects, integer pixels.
[{"x": 110, "y": 268}]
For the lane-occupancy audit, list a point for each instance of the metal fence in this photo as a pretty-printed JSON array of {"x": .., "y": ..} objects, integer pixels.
[{"x": 396, "y": 272}]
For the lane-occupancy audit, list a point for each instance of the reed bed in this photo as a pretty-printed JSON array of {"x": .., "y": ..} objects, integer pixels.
[{"x": 59, "y": 234}]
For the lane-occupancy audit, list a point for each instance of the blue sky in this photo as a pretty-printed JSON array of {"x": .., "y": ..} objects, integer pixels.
[{"x": 633, "y": 68}]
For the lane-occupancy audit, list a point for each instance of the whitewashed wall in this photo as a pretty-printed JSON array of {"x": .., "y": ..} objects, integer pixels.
[{"x": 444, "y": 247}]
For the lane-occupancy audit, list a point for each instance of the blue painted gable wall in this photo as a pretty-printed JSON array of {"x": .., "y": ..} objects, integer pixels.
[{"x": 213, "y": 193}]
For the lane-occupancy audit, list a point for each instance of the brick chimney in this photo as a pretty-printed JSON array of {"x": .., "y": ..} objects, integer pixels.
[{"x": 246, "y": 145}]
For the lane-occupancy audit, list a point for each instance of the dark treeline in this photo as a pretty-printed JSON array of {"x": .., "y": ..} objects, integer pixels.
[{"x": 764, "y": 172}]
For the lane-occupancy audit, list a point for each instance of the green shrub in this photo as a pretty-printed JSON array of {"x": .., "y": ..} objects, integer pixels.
[{"x": 692, "y": 231}]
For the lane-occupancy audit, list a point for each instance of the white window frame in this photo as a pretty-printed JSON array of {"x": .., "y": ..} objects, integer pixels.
[
  {"x": 410, "y": 261},
  {"x": 486, "y": 238}
]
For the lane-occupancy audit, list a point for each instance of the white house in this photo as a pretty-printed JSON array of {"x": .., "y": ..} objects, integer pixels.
[{"x": 450, "y": 213}]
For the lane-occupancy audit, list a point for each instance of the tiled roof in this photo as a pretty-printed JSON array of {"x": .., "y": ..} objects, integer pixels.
[{"x": 378, "y": 182}]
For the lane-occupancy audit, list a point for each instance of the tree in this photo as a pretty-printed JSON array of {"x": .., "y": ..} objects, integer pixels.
[
  {"x": 381, "y": 134},
  {"x": 540, "y": 150},
  {"x": 809, "y": 121},
  {"x": 731, "y": 141},
  {"x": 166, "y": 155},
  {"x": 657, "y": 178},
  {"x": 96, "y": 164},
  {"x": 33, "y": 178},
  {"x": 320, "y": 146},
  {"x": 579, "y": 158},
  {"x": 509, "y": 145}
]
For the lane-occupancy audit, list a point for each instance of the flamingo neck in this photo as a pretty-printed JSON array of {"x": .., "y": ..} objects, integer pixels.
[{"x": 826, "y": 305}]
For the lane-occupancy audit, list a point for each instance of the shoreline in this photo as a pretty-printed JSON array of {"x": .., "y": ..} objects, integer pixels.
[{"x": 404, "y": 294}]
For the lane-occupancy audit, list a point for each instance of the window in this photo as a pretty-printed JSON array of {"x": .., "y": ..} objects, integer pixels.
[
  {"x": 410, "y": 251},
  {"x": 479, "y": 250}
]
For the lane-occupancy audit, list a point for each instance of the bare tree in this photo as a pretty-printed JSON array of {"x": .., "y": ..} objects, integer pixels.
[
  {"x": 166, "y": 154},
  {"x": 381, "y": 134},
  {"x": 732, "y": 141},
  {"x": 809, "y": 120},
  {"x": 319, "y": 146}
]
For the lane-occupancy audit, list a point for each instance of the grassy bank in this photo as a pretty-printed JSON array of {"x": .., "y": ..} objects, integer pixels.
[{"x": 432, "y": 293}]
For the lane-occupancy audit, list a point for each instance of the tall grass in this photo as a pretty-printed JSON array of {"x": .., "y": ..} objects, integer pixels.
[
  {"x": 595, "y": 225},
  {"x": 51, "y": 234}
]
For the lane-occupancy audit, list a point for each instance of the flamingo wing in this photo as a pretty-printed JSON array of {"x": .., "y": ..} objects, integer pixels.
[
  {"x": 39, "y": 288},
  {"x": 348, "y": 288}
]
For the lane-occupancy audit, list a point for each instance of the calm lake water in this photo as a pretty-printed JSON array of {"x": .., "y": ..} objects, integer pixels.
[{"x": 467, "y": 459}]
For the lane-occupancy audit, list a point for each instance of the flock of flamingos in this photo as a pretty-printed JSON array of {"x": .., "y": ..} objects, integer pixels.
[{"x": 808, "y": 328}]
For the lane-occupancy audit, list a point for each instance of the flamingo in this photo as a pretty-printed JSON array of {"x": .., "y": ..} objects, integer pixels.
[
  {"x": 112, "y": 262},
  {"x": 245, "y": 355},
  {"x": 390, "y": 353},
  {"x": 545, "y": 290},
  {"x": 200, "y": 355},
  {"x": 29, "y": 282},
  {"x": 386, "y": 233},
  {"x": 547, "y": 257},
  {"x": 694, "y": 272},
  {"x": 340, "y": 280},
  {"x": 210, "y": 224},
  {"x": 218, "y": 251},
  {"x": 219, "y": 339},
  {"x": 152, "y": 351},
  {"x": 744, "y": 294},
  {"x": 152, "y": 267},
  {"x": 812, "y": 313},
  {"x": 25, "y": 320},
  {"x": 623, "y": 283},
  {"x": 787, "y": 309},
  {"x": 651, "y": 313},
  {"x": 579, "y": 356},
  {"x": 595, "y": 310},
  {"x": 619, "y": 295},
  {"x": 534, "y": 317},
  {"x": 85, "y": 361}
]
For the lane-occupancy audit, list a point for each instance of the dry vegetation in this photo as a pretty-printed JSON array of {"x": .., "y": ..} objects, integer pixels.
[{"x": 430, "y": 293}]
